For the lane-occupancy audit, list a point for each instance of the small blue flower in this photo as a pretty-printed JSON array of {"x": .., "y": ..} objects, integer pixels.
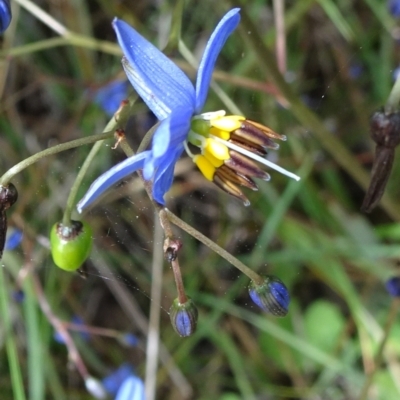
[
  {"x": 18, "y": 295},
  {"x": 393, "y": 286},
  {"x": 14, "y": 238},
  {"x": 110, "y": 96},
  {"x": 394, "y": 7},
  {"x": 168, "y": 92},
  {"x": 114, "y": 381},
  {"x": 5, "y": 15},
  {"x": 131, "y": 389}
]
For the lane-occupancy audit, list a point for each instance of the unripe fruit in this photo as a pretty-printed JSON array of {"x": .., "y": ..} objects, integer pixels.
[{"x": 70, "y": 245}]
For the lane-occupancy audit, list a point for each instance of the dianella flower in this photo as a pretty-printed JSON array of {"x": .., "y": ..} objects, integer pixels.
[{"x": 229, "y": 148}]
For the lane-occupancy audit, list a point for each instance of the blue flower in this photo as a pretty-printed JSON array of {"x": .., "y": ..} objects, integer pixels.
[
  {"x": 110, "y": 96},
  {"x": 114, "y": 381},
  {"x": 393, "y": 286},
  {"x": 168, "y": 92},
  {"x": 394, "y": 7},
  {"x": 14, "y": 238},
  {"x": 5, "y": 15},
  {"x": 131, "y": 389}
]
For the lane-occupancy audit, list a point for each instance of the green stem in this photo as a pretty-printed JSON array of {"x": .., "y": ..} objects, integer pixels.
[
  {"x": 71, "y": 39},
  {"x": 379, "y": 354},
  {"x": 14, "y": 363},
  {"x": 75, "y": 187},
  {"x": 393, "y": 100},
  {"x": 16, "y": 169},
  {"x": 214, "y": 247}
]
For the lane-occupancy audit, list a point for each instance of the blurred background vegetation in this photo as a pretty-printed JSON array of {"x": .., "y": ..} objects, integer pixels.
[{"x": 340, "y": 337}]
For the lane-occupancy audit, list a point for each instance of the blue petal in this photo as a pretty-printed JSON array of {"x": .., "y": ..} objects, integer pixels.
[
  {"x": 5, "y": 15},
  {"x": 131, "y": 389},
  {"x": 165, "y": 175},
  {"x": 158, "y": 81},
  {"x": 171, "y": 133},
  {"x": 217, "y": 40},
  {"x": 112, "y": 176},
  {"x": 114, "y": 381}
]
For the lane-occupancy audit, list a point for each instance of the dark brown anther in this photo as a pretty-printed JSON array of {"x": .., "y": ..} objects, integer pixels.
[
  {"x": 227, "y": 174},
  {"x": 171, "y": 249},
  {"x": 253, "y": 148},
  {"x": 8, "y": 196},
  {"x": 267, "y": 131},
  {"x": 385, "y": 132},
  {"x": 243, "y": 166},
  {"x": 256, "y": 134},
  {"x": 231, "y": 189}
]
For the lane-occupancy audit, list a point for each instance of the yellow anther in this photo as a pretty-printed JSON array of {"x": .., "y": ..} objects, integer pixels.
[
  {"x": 206, "y": 168},
  {"x": 224, "y": 135},
  {"x": 229, "y": 123},
  {"x": 213, "y": 160},
  {"x": 218, "y": 150}
]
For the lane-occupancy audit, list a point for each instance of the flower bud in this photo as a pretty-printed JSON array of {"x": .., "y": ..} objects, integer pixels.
[
  {"x": 271, "y": 296},
  {"x": 183, "y": 317},
  {"x": 70, "y": 245}
]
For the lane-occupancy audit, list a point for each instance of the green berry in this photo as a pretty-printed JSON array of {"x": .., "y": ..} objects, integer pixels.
[{"x": 70, "y": 245}]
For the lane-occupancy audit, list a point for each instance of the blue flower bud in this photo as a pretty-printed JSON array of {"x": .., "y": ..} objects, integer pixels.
[
  {"x": 5, "y": 15},
  {"x": 393, "y": 286},
  {"x": 271, "y": 296},
  {"x": 184, "y": 317}
]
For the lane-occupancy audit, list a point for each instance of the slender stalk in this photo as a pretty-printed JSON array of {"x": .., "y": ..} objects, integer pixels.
[
  {"x": 9, "y": 338},
  {"x": 280, "y": 45},
  {"x": 153, "y": 336},
  {"x": 182, "y": 298},
  {"x": 112, "y": 124},
  {"x": 43, "y": 16},
  {"x": 79, "y": 178},
  {"x": 214, "y": 247},
  {"x": 16, "y": 169},
  {"x": 73, "y": 353}
]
